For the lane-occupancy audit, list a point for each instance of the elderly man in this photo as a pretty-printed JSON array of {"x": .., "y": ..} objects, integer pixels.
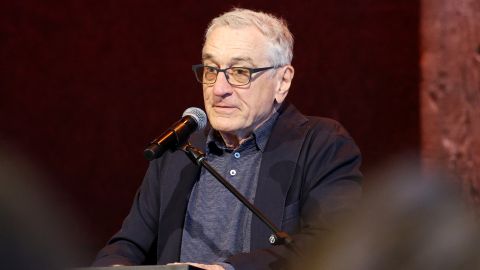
[{"x": 301, "y": 171}]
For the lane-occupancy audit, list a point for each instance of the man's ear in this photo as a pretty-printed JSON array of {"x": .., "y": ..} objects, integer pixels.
[{"x": 286, "y": 77}]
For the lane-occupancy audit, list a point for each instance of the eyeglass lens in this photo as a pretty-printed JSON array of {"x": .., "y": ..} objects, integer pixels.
[{"x": 235, "y": 75}]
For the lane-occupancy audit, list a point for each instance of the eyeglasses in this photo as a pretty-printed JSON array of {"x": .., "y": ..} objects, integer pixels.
[{"x": 236, "y": 76}]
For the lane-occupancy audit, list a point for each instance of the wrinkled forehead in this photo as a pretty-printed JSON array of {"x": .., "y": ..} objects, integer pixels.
[{"x": 226, "y": 44}]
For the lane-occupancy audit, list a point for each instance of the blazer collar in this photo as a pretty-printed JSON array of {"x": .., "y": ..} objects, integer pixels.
[{"x": 279, "y": 162}]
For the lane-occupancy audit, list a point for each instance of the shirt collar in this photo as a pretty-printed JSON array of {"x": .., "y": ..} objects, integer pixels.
[{"x": 259, "y": 136}]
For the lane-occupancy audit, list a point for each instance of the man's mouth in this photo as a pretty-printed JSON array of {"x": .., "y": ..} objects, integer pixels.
[{"x": 223, "y": 108}]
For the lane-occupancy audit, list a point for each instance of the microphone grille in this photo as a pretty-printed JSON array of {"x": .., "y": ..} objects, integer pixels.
[{"x": 198, "y": 115}]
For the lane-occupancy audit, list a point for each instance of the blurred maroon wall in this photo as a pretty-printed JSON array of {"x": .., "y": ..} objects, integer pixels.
[{"x": 84, "y": 85}]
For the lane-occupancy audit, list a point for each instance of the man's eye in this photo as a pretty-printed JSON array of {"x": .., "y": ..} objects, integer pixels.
[
  {"x": 241, "y": 71},
  {"x": 210, "y": 70}
]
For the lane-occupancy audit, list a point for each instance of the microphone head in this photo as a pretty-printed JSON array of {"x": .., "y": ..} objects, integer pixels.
[{"x": 198, "y": 115}]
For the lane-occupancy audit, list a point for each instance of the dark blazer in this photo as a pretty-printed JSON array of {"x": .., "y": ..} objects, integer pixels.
[{"x": 309, "y": 173}]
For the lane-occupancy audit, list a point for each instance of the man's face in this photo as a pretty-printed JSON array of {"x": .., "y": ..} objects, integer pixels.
[{"x": 238, "y": 110}]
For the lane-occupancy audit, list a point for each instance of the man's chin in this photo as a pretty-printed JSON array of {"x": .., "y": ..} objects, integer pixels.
[
  {"x": 225, "y": 129},
  {"x": 226, "y": 126}
]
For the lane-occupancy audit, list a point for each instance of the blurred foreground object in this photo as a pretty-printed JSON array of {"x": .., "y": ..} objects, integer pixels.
[
  {"x": 407, "y": 222},
  {"x": 33, "y": 226}
]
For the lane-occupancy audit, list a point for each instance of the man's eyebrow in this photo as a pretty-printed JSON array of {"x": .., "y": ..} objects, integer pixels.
[
  {"x": 207, "y": 56},
  {"x": 242, "y": 59}
]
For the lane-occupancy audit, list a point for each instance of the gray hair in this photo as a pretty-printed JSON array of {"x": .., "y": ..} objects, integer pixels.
[{"x": 273, "y": 28}]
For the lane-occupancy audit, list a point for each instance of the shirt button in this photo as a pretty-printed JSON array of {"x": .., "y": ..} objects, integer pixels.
[
  {"x": 233, "y": 172},
  {"x": 236, "y": 155}
]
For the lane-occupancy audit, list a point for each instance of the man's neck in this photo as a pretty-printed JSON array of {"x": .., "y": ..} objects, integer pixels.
[{"x": 233, "y": 140}]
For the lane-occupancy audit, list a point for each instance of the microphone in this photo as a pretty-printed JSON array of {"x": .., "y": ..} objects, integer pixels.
[{"x": 192, "y": 119}]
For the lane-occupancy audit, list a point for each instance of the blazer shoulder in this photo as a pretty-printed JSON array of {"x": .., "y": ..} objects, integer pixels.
[{"x": 326, "y": 127}]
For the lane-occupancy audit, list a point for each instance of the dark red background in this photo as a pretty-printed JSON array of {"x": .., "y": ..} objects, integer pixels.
[{"x": 86, "y": 84}]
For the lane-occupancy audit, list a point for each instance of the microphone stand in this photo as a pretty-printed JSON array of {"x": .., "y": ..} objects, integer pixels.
[{"x": 278, "y": 237}]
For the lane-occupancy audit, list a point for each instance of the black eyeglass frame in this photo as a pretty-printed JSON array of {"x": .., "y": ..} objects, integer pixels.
[{"x": 224, "y": 70}]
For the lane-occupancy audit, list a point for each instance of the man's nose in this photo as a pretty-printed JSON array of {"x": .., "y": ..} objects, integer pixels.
[{"x": 221, "y": 86}]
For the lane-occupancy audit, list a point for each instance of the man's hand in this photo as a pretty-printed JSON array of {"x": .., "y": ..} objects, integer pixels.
[{"x": 203, "y": 266}]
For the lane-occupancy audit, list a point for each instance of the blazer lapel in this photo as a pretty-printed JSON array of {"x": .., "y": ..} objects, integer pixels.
[{"x": 279, "y": 163}]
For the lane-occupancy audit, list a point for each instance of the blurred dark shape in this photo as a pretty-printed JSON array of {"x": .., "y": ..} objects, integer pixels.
[
  {"x": 411, "y": 220},
  {"x": 34, "y": 227}
]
